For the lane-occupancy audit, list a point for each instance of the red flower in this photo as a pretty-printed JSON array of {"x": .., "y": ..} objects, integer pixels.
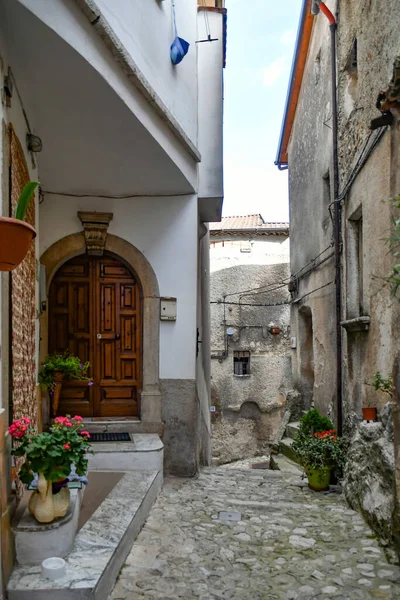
[
  {"x": 18, "y": 428},
  {"x": 86, "y": 433},
  {"x": 63, "y": 421},
  {"x": 67, "y": 446},
  {"x": 77, "y": 418}
]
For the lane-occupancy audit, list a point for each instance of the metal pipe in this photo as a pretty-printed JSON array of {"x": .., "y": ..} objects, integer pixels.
[{"x": 337, "y": 219}]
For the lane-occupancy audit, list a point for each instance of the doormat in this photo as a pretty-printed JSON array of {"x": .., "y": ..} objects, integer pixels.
[{"x": 110, "y": 437}]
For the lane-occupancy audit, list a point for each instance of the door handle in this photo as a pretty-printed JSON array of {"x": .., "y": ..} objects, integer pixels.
[{"x": 116, "y": 336}]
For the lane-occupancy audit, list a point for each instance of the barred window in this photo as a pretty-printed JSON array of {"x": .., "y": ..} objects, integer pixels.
[{"x": 241, "y": 363}]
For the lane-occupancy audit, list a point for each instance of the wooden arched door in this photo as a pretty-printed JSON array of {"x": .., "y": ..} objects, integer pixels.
[{"x": 95, "y": 313}]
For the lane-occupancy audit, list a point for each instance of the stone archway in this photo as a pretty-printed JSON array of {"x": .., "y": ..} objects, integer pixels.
[{"x": 74, "y": 245}]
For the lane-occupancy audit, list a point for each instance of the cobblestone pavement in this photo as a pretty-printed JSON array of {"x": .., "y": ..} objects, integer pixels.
[
  {"x": 291, "y": 543},
  {"x": 246, "y": 463}
]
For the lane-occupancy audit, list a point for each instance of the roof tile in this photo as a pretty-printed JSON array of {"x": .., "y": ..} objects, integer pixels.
[{"x": 245, "y": 222}]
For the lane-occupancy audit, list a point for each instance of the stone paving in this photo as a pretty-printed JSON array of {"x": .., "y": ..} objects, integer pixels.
[{"x": 291, "y": 543}]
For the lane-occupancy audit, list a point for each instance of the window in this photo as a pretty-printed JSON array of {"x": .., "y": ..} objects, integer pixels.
[
  {"x": 241, "y": 363},
  {"x": 245, "y": 246},
  {"x": 355, "y": 299}
]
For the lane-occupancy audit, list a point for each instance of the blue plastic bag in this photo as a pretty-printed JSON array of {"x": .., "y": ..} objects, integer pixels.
[{"x": 179, "y": 49}]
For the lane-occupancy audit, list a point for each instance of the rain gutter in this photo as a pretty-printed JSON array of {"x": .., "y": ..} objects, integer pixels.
[{"x": 296, "y": 78}]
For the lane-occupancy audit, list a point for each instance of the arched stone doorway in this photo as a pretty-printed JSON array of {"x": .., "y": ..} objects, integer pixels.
[
  {"x": 149, "y": 397},
  {"x": 95, "y": 313}
]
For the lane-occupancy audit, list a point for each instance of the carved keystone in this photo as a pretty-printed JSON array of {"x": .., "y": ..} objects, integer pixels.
[{"x": 95, "y": 226}]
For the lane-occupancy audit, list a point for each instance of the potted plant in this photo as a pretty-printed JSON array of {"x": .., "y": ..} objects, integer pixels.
[
  {"x": 319, "y": 450},
  {"x": 16, "y": 235},
  {"x": 49, "y": 460},
  {"x": 380, "y": 384},
  {"x": 55, "y": 368}
]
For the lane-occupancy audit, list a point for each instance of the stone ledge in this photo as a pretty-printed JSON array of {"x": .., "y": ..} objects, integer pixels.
[
  {"x": 36, "y": 541},
  {"x": 100, "y": 548},
  {"x": 357, "y": 324}
]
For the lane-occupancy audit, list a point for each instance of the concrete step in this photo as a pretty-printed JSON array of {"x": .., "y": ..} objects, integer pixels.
[
  {"x": 292, "y": 429},
  {"x": 285, "y": 448},
  {"x": 279, "y": 462},
  {"x": 145, "y": 452},
  {"x": 101, "y": 546}
]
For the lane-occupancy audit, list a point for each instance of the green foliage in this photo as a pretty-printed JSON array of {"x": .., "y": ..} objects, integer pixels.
[
  {"x": 323, "y": 449},
  {"x": 313, "y": 422},
  {"x": 24, "y": 199},
  {"x": 394, "y": 244},
  {"x": 381, "y": 383},
  {"x": 52, "y": 453},
  {"x": 65, "y": 363}
]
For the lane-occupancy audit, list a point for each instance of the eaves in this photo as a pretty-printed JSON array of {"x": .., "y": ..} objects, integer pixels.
[
  {"x": 134, "y": 74},
  {"x": 295, "y": 81}
]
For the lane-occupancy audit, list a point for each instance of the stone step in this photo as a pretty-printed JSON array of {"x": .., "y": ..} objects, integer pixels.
[
  {"x": 101, "y": 546},
  {"x": 292, "y": 429},
  {"x": 279, "y": 462},
  {"x": 145, "y": 452},
  {"x": 285, "y": 448}
]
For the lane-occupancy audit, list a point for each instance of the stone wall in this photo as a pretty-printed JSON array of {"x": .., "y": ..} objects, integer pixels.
[
  {"x": 248, "y": 408},
  {"x": 369, "y": 480}
]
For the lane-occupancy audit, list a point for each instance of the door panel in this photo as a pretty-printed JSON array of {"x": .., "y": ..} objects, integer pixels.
[{"x": 95, "y": 313}]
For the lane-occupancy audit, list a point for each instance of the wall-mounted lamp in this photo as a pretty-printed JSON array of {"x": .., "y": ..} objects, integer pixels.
[
  {"x": 34, "y": 143},
  {"x": 275, "y": 330},
  {"x": 8, "y": 84},
  {"x": 292, "y": 285}
]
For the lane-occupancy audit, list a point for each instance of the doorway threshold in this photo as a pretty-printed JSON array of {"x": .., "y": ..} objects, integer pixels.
[
  {"x": 121, "y": 424},
  {"x": 110, "y": 419}
]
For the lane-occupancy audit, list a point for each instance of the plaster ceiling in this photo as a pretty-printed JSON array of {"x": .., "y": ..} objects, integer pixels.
[{"x": 92, "y": 142}]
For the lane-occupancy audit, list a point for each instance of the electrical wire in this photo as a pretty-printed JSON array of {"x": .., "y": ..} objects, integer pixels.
[
  {"x": 312, "y": 292},
  {"x": 206, "y": 20},
  {"x": 362, "y": 160},
  {"x": 111, "y": 196},
  {"x": 286, "y": 302},
  {"x": 258, "y": 288},
  {"x": 272, "y": 289},
  {"x": 312, "y": 260}
]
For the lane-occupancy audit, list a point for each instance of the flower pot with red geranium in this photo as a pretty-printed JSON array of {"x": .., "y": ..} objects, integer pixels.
[
  {"x": 320, "y": 452},
  {"x": 50, "y": 457}
]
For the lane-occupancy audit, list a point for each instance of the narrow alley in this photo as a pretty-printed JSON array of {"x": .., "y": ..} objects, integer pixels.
[{"x": 279, "y": 541}]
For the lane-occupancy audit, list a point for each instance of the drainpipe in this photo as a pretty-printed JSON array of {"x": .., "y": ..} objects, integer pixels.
[{"x": 316, "y": 7}]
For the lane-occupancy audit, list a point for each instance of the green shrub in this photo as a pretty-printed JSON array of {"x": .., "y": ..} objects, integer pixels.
[{"x": 314, "y": 422}]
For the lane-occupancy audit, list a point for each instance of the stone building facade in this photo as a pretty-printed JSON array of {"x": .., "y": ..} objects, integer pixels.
[
  {"x": 341, "y": 280},
  {"x": 250, "y": 342}
]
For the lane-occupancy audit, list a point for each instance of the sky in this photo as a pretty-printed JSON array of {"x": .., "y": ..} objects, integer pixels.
[{"x": 261, "y": 38}]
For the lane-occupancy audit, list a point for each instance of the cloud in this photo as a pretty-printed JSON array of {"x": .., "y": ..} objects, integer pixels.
[
  {"x": 288, "y": 37},
  {"x": 274, "y": 71}
]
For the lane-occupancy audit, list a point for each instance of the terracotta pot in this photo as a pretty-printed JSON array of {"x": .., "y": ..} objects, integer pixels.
[
  {"x": 58, "y": 378},
  {"x": 15, "y": 238},
  {"x": 369, "y": 414},
  {"x": 318, "y": 479}
]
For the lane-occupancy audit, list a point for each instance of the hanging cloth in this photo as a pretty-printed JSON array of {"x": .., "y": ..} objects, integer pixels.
[{"x": 179, "y": 47}]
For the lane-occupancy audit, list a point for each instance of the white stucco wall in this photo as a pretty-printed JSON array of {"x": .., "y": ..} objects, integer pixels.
[
  {"x": 210, "y": 68},
  {"x": 165, "y": 231},
  {"x": 68, "y": 21},
  {"x": 145, "y": 27},
  {"x": 265, "y": 251}
]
